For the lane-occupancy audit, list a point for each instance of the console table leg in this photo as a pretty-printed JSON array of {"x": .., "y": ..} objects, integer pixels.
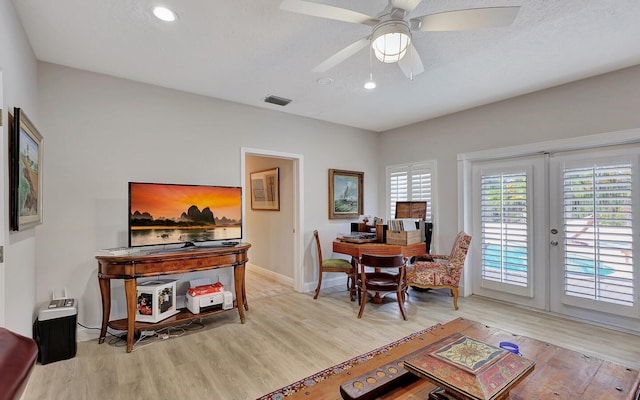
[
  {"x": 244, "y": 291},
  {"x": 105, "y": 294},
  {"x": 130, "y": 292},
  {"x": 241, "y": 300}
]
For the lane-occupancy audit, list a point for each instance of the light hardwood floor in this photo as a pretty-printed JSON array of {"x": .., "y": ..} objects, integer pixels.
[{"x": 288, "y": 336}]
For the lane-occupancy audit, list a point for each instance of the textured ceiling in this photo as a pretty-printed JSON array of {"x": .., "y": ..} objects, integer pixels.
[{"x": 245, "y": 50}]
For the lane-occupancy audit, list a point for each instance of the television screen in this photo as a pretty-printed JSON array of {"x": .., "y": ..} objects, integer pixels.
[{"x": 161, "y": 213}]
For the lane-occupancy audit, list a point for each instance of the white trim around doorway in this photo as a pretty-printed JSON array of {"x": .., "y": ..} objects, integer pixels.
[{"x": 298, "y": 190}]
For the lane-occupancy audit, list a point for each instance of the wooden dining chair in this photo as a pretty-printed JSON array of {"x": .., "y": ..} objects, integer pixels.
[
  {"x": 389, "y": 276},
  {"x": 334, "y": 265}
]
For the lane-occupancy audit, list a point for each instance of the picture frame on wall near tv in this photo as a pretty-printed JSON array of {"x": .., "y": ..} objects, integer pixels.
[
  {"x": 265, "y": 190},
  {"x": 25, "y": 172}
]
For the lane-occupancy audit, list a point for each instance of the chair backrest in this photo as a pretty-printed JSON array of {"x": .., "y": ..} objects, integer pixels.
[
  {"x": 459, "y": 249},
  {"x": 315, "y": 235},
  {"x": 428, "y": 234},
  {"x": 378, "y": 261}
]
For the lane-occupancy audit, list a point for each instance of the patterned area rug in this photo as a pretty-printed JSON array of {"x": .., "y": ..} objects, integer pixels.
[{"x": 336, "y": 369}]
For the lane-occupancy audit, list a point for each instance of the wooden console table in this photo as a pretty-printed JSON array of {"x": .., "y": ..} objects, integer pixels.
[{"x": 175, "y": 261}]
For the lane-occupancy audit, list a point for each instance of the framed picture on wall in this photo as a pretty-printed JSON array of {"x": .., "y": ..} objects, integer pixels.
[
  {"x": 265, "y": 190},
  {"x": 25, "y": 172},
  {"x": 345, "y": 194}
]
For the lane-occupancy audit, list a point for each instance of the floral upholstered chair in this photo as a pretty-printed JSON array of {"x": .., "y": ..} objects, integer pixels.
[{"x": 442, "y": 274}]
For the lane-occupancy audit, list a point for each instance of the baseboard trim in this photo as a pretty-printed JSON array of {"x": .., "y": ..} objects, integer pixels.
[{"x": 285, "y": 280}]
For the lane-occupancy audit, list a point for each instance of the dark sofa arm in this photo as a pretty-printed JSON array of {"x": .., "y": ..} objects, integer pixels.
[{"x": 18, "y": 355}]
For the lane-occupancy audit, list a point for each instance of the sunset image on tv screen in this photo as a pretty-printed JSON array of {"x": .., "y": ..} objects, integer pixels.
[{"x": 170, "y": 213}]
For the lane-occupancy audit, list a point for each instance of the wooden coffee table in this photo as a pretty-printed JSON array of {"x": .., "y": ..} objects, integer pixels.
[
  {"x": 467, "y": 369},
  {"x": 559, "y": 373}
]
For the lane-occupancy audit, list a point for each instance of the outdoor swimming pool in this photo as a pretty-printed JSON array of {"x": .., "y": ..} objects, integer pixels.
[{"x": 514, "y": 259}]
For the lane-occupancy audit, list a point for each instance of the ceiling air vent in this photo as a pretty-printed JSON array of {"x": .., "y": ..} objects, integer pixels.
[{"x": 281, "y": 101}]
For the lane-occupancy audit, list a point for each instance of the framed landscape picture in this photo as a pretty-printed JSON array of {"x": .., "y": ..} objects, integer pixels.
[
  {"x": 265, "y": 190},
  {"x": 25, "y": 173},
  {"x": 345, "y": 194}
]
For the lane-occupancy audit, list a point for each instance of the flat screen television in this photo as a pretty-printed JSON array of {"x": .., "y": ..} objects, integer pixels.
[{"x": 164, "y": 213}]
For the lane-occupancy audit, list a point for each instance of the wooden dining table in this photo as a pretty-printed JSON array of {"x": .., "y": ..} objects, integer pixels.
[{"x": 356, "y": 250}]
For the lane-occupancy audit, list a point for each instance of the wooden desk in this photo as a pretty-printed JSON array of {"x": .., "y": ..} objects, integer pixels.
[
  {"x": 358, "y": 249},
  {"x": 191, "y": 259},
  {"x": 559, "y": 373}
]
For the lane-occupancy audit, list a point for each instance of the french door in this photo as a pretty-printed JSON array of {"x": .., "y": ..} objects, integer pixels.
[
  {"x": 508, "y": 247},
  {"x": 594, "y": 213},
  {"x": 556, "y": 232}
]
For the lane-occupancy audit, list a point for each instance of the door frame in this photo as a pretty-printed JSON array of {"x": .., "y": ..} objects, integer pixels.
[
  {"x": 298, "y": 205},
  {"x": 4, "y": 121},
  {"x": 465, "y": 173}
]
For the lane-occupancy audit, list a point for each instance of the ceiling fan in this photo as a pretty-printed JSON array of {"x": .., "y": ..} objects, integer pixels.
[{"x": 391, "y": 33}]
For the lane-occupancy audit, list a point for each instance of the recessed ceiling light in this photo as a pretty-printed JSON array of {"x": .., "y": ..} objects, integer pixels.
[
  {"x": 325, "y": 81},
  {"x": 164, "y": 14},
  {"x": 370, "y": 85}
]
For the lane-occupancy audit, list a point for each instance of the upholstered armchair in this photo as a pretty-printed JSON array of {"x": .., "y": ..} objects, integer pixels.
[{"x": 444, "y": 272}]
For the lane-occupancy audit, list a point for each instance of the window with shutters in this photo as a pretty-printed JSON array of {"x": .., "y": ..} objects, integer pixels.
[
  {"x": 598, "y": 229},
  {"x": 410, "y": 182},
  {"x": 504, "y": 227}
]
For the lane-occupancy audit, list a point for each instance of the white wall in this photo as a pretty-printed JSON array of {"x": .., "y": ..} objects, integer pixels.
[
  {"x": 601, "y": 104},
  {"x": 18, "y": 273},
  {"x": 102, "y": 132}
]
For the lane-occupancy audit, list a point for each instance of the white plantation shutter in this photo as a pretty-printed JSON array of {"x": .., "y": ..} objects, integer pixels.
[
  {"x": 598, "y": 229},
  {"x": 410, "y": 182},
  {"x": 504, "y": 227},
  {"x": 398, "y": 178}
]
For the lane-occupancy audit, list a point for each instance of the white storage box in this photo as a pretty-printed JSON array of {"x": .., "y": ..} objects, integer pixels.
[{"x": 156, "y": 300}]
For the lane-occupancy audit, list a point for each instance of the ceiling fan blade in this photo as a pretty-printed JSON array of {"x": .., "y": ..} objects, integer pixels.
[
  {"x": 329, "y": 12},
  {"x": 472, "y": 18},
  {"x": 407, "y": 5},
  {"x": 342, "y": 55},
  {"x": 411, "y": 64}
]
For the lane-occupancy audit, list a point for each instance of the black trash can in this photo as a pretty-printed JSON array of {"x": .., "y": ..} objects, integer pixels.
[{"x": 55, "y": 331}]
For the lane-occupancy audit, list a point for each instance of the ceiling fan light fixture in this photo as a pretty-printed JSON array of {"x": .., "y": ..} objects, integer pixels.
[{"x": 390, "y": 41}]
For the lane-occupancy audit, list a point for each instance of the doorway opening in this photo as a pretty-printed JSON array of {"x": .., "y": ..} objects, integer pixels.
[{"x": 275, "y": 235}]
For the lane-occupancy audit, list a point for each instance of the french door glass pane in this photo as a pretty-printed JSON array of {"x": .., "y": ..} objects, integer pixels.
[
  {"x": 504, "y": 220},
  {"x": 598, "y": 248}
]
